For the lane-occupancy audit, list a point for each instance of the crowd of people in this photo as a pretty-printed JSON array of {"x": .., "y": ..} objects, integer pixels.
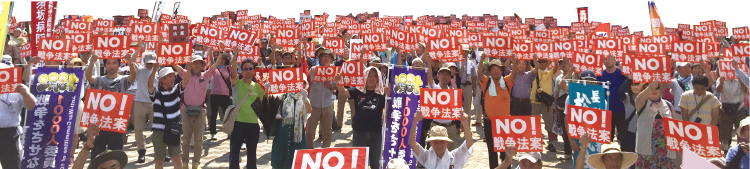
[{"x": 174, "y": 102}]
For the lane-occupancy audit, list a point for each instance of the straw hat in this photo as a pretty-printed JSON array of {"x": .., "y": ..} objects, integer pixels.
[
  {"x": 439, "y": 133},
  {"x": 628, "y": 158}
]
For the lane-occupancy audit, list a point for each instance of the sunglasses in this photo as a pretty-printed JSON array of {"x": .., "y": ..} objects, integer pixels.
[{"x": 247, "y": 69}]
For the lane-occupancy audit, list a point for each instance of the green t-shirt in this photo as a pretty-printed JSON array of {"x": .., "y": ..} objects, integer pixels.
[{"x": 246, "y": 114}]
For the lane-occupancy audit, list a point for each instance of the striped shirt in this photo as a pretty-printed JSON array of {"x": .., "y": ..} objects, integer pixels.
[
  {"x": 689, "y": 101},
  {"x": 166, "y": 104}
]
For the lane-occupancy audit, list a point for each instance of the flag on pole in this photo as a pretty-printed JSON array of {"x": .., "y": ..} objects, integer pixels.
[
  {"x": 518, "y": 18},
  {"x": 603, "y": 30},
  {"x": 657, "y": 28},
  {"x": 583, "y": 14}
]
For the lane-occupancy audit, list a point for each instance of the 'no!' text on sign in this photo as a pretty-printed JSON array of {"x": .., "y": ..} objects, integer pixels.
[
  {"x": 109, "y": 110},
  {"x": 726, "y": 70},
  {"x": 111, "y": 46},
  {"x": 325, "y": 73},
  {"x": 442, "y": 104},
  {"x": 595, "y": 122},
  {"x": 338, "y": 157},
  {"x": 352, "y": 74},
  {"x": 647, "y": 69},
  {"x": 174, "y": 53},
  {"x": 53, "y": 49},
  {"x": 523, "y": 132},
  {"x": 286, "y": 81},
  {"x": 699, "y": 138},
  {"x": 9, "y": 77}
]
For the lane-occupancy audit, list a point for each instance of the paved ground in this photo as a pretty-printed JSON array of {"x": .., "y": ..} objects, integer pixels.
[{"x": 216, "y": 153}]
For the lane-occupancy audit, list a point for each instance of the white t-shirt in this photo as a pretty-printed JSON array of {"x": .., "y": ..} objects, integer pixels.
[{"x": 455, "y": 159}]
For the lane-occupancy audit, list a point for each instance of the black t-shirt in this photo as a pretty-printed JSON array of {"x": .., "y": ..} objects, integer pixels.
[{"x": 369, "y": 108}]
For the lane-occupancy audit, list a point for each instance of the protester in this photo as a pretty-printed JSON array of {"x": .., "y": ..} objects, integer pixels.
[
  {"x": 114, "y": 83},
  {"x": 541, "y": 85},
  {"x": 628, "y": 92},
  {"x": 614, "y": 76},
  {"x": 246, "y": 129},
  {"x": 468, "y": 75},
  {"x": 495, "y": 98},
  {"x": 111, "y": 159},
  {"x": 650, "y": 140},
  {"x": 193, "y": 111},
  {"x": 10, "y": 123},
  {"x": 444, "y": 80},
  {"x": 321, "y": 99},
  {"x": 733, "y": 109},
  {"x": 737, "y": 156},
  {"x": 520, "y": 103},
  {"x": 438, "y": 156},
  {"x": 704, "y": 110},
  {"x": 531, "y": 160},
  {"x": 166, "y": 107},
  {"x": 142, "y": 105},
  {"x": 290, "y": 136},
  {"x": 610, "y": 158},
  {"x": 220, "y": 99},
  {"x": 560, "y": 93}
]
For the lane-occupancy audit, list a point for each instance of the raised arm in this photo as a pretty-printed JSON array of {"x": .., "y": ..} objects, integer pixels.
[
  {"x": 641, "y": 99},
  {"x": 186, "y": 80},
  {"x": 624, "y": 88},
  {"x": 233, "y": 68},
  {"x": 132, "y": 64},
  {"x": 740, "y": 74},
  {"x": 515, "y": 71},
  {"x": 467, "y": 130},
  {"x": 480, "y": 68},
  {"x": 91, "y": 133},
  {"x": 151, "y": 78},
  {"x": 581, "y": 160},
  {"x": 29, "y": 101},
  {"x": 413, "y": 133},
  {"x": 510, "y": 152},
  {"x": 90, "y": 69},
  {"x": 428, "y": 63},
  {"x": 27, "y": 69},
  {"x": 341, "y": 89}
]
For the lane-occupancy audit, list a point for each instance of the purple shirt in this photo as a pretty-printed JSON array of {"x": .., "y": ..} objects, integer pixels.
[
  {"x": 220, "y": 84},
  {"x": 522, "y": 85},
  {"x": 195, "y": 92}
]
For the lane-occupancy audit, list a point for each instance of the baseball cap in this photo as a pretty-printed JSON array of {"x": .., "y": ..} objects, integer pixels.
[
  {"x": 165, "y": 71},
  {"x": 7, "y": 60},
  {"x": 264, "y": 40},
  {"x": 531, "y": 156},
  {"x": 681, "y": 64},
  {"x": 197, "y": 58},
  {"x": 588, "y": 74},
  {"x": 149, "y": 57}
]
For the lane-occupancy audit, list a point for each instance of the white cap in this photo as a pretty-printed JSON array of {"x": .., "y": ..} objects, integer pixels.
[
  {"x": 165, "y": 71},
  {"x": 149, "y": 57},
  {"x": 531, "y": 156}
]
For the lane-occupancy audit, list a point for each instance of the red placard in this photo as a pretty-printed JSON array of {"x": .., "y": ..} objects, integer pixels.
[
  {"x": 544, "y": 51},
  {"x": 685, "y": 51},
  {"x": 206, "y": 35},
  {"x": 374, "y": 41},
  {"x": 26, "y": 50},
  {"x": 402, "y": 39},
  {"x": 608, "y": 46},
  {"x": 345, "y": 157},
  {"x": 174, "y": 53},
  {"x": 657, "y": 49},
  {"x": 253, "y": 54},
  {"x": 352, "y": 74},
  {"x": 77, "y": 26},
  {"x": 330, "y": 32},
  {"x": 287, "y": 37},
  {"x": 712, "y": 50},
  {"x": 741, "y": 50},
  {"x": 495, "y": 46},
  {"x": 699, "y": 138},
  {"x": 9, "y": 77},
  {"x": 445, "y": 49},
  {"x": 726, "y": 70},
  {"x": 111, "y": 46},
  {"x": 178, "y": 32},
  {"x": 108, "y": 110},
  {"x": 721, "y": 32},
  {"x": 595, "y": 122},
  {"x": 103, "y": 25},
  {"x": 475, "y": 39},
  {"x": 80, "y": 42},
  {"x": 336, "y": 45},
  {"x": 53, "y": 49},
  {"x": 287, "y": 80},
  {"x": 441, "y": 104},
  {"x": 431, "y": 32},
  {"x": 146, "y": 31},
  {"x": 646, "y": 69},
  {"x": 262, "y": 75},
  {"x": 142, "y": 12},
  {"x": 523, "y": 51},
  {"x": 703, "y": 30},
  {"x": 325, "y": 73},
  {"x": 243, "y": 39},
  {"x": 523, "y": 132},
  {"x": 356, "y": 50},
  {"x": 564, "y": 49},
  {"x": 587, "y": 61},
  {"x": 741, "y": 33}
]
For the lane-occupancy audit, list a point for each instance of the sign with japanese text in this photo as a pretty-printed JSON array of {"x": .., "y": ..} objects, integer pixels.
[
  {"x": 325, "y": 73},
  {"x": 287, "y": 37},
  {"x": 335, "y": 45},
  {"x": 253, "y": 55},
  {"x": 442, "y": 104},
  {"x": 647, "y": 69},
  {"x": 523, "y": 132},
  {"x": 544, "y": 51},
  {"x": 657, "y": 49},
  {"x": 262, "y": 75},
  {"x": 726, "y": 70},
  {"x": 51, "y": 124},
  {"x": 608, "y": 46},
  {"x": 111, "y": 46},
  {"x": 337, "y": 157},
  {"x": 699, "y": 138},
  {"x": 178, "y": 33},
  {"x": 703, "y": 30},
  {"x": 595, "y": 122},
  {"x": 54, "y": 49},
  {"x": 148, "y": 32},
  {"x": 80, "y": 41},
  {"x": 352, "y": 74},
  {"x": 109, "y": 110},
  {"x": 374, "y": 41},
  {"x": 9, "y": 77},
  {"x": 445, "y": 49},
  {"x": 740, "y": 50},
  {"x": 174, "y": 53},
  {"x": 495, "y": 46},
  {"x": 524, "y": 51},
  {"x": 587, "y": 61},
  {"x": 243, "y": 39},
  {"x": 42, "y": 21},
  {"x": 206, "y": 35},
  {"x": 741, "y": 33},
  {"x": 400, "y": 114},
  {"x": 355, "y": 48},
  {"x": 77, "y": 26},
  {"x": 587, "y": 95},
  {"x": 289, "y": 80},
  {"x": 686, "y": 51}
]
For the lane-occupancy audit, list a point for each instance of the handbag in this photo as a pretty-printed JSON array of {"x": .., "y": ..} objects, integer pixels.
[
  {"x": 695, "y": 110},
  {"x": 561, "y": 101},
  {"x": 542, "y": 96},
  {"x": 730, "y": 108},
  {"x": 172, "y": 130},
  {"x": 231, "y": 113}
]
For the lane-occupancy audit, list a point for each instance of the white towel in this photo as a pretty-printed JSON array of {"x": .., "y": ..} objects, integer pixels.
[{"x": 492, "y": 91}]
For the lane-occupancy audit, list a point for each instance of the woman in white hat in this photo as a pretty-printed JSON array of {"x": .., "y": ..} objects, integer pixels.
[{"x": 610, "y": 158}]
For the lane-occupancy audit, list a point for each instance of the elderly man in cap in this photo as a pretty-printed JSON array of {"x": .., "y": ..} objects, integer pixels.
[
  {"x": 321, "y": 100},
  {"x": 495, "y": 98},
  {"x": 610, "y": 158},
  {"x": 142, "y": 109},
  {"x": 444, "y": 77},
  {"x": 438, "y": 156},
  {"x": 111, "y": 159},
  {"x": 193, "y": 110},
  {"x": 682, "y": 82},
  {"x": 526, "y": 160}
]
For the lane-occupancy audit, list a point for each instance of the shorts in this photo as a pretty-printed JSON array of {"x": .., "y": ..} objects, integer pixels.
[{"x": 161, "y": 149}]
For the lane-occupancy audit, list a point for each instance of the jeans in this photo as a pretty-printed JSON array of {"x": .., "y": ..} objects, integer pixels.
[
  {"x": 248, "y": 134},
  {"x": 217, "y": 101},
  {"x": 107, "y": 140},
  {"x": 9, "y": 144},
  {"x": 374, "y": 141}
]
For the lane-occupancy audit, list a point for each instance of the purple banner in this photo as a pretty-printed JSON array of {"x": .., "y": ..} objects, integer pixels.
[
  {"x": 50, "y": 126},
  {"x": 403, "y": 105}
]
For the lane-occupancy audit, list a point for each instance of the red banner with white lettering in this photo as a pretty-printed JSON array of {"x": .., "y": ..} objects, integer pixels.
[
  {"x": 253, "y": 55},
  {"x": 146, "y": 31},
  {"x": 587, "y": 61},
  {"x": 337, "y": 157},
  {"x": 741, "y": 50},
  {"x": 647, "y": 69},
  {"x": 686, "y": 51},
  {"x": 77, "y": 26},
  {"x": 523, "y": 51},
  {"x": 80, "y": 42},
  {"x": 42, "y": 22},
  {"x": 655, "y": 49},
  {"x": 206, "y": 35},
  {"x": 325, "y": 73},
  {"x": 523, "y": 132},
  {"x": 441, "y": 104},
  {"x": 595, "y": 122},
  {"x": 356, "y": 51},
  {"x": 262, "y": 76},
  {"x": 495, "y": 46},
  {"x": 111, "y": 46},
  {"x": 352, "y": 74},
  {"x": 9, "y": 77},
  {"x": 105, "y": 109},
  {"x": 243, "y": 39},
  {"x": 374, "y": 41},
  {"x": 174, "y": 53},
  {"x": 699, "y": 138},
  {"x": 287, "y": 37},
  {"x": 445, "y": 49},
  {"x": 287, "y": 80},
  {"x": 335, "y": 45},
  {"x": 726, "y": 70},
  {"x": 54, "y": 49},
  {"x": 741, "y": 33}
]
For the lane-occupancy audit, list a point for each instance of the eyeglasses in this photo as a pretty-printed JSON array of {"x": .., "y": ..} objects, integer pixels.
[{"x": 247, "y": 69}]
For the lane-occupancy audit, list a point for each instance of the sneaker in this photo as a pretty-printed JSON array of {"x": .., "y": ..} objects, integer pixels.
[
  {"x": 551, "y": 148},
  {"x": 213, "y": 137},
  {"x": 141, "y": 156}
]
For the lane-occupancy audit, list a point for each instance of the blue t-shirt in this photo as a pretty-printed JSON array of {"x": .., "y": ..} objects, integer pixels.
[
  {"x": 615, "y": 81},
  {"x": 732, "y": 153}
]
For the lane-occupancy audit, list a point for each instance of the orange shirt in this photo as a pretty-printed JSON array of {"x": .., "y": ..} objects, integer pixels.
[{"x": 497, "y": 105}]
